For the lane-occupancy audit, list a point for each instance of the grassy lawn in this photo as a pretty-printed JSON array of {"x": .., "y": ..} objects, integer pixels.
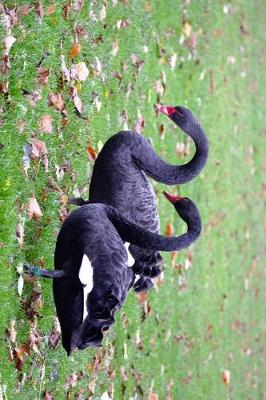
[{"x": 201, "y": 333}]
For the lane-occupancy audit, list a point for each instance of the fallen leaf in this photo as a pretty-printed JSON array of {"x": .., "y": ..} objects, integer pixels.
[
  {"x": 187, "y": 29},
  {"x": 98, "y": 103},
  {"x": 55, "y": 335},
  {"x": 20, "y": 233},
  {"x": 172, "y": 61},
  {"x": 32, "y": 97},
  {"x": 79, "y": 71},
  {"x": 169, "y": 230},
  {"x": 26, "y": 157},
  {"x": 20, "y": 285},
  {"x": 8, "y": 43},
  {"x": 226, "y": 377},
  {"x": 105, "y": 396},
  {"x": 47, "y": 396},
  {"x": 102, "y": 14},
  {"x": 231, "y": 60},
  {"x": 4, "y": 87},
  {"x": 76, "y": 99},
  {"x": 45, "y": 124},
  {"x": 19, "y": 354},
  {"x": 24, "y": 10},
  {"x": 91, "y": 152},
  {"x": 38, "y": 148},
  {"x": 97, "y": 67},
  {"x": 139, "y": 124},
  {"x": 77, "y": 5},
  {"x": 75, "y": 50},
  {"x": 122, "y": 23},
  {"x": 39, "y": 10},
  {"x": 34, "y": 210},
  {"x": 115, "y": 48},
  {"x": 42, "y": 75},
  {"x": 153, "y": 396},
  {"x": 51, "y": 9},
  {"x": 11, "y": 332},
  {"x": 56, "y": 100}
]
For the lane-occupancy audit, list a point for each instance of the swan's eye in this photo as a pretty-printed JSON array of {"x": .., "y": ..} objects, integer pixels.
[{"x": 179, "y": 113}]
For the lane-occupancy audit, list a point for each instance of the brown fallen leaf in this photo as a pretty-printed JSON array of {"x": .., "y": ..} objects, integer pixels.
[
  {"x": 226, "y": 376},
  {"x": 24, "y": 10},
  {"x": 122, "y": 23},
  {"x": 77, "y": 5},
  {"x": 92, "y": 153},
  {"x": 42, "y": 75},
  {"x": 12, "y": 332},
  {"x": 139, "y": 124},
  {"x": 76, "y": 99},
  {"x": 102, "y": 14},
  {"x": 47, "y": 396},
  {"x": 34, "y": 210},
  {"x": 187, "y": 29},
  {"x": 45, "y": 124},
  {"x": 4, "y": 87},
  {"x": 20, "y": 233},
  {"x": 32, "y": 97},
  {"x": 75, "y": 50},
  {"x": 56, "y": 100},
  {"x": 115, "y": 48},
  {"x": 51, "y": 9},
  {"x": 153, "y": 396},
  {"x": 39, "y": 10},
  {"x": 79, "y": 71},
  {"x": 8, "y": 43},
  {"x": 169, "y": 230},
  {"x": 19, "y": 354},
  {"x": 55, "y": 335}
]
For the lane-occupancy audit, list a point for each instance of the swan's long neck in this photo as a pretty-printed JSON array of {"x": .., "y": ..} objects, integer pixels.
[
  {"x": 161, "y": 171},
  {"x": 138, "y": 236}
]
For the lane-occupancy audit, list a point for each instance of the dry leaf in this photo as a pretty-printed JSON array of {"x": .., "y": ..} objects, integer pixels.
[
  {"x": 34, "y": 210},
  {"x": 187, "y": 29},
  {"x": 79, "y": 71},
  {"x": 24, "y": 10},
  {"x": 20, "y": 233},
  {"x": 91, "y": 152},
  {"x": 169, "y": 230},
  {"x": 122, "y": 23},
  {"x": 4, "y": 87},
  {"x": 8, "y": 42},
  {"x": 39, "y": 10},
  {"x": 11, "y": 332},
  {"x": 115, "y": 48},
  {"x": 64, "y": 68},
  {"x": 75, "y": 50},
  {"x": 77, "y": 5},
  {"x": 47, "y": 396},
  {"x": 32, "y": 97},
  {"x": 56, "y": 100},
  {"x": 97, "y": 67},
  {"x": 51, "y": 9},
  {"x": 102, "y": 14},
  {"x": 226, "y": 377},
  {"x": 139, "y": 124},
  {"x": 153, "y": 396},
  {"x": 20, "y": 285},
  {"x": 45, "y": 124},
  {"x": 42, "y": 75},
  {"x": 77, "y": 101},
  {"x": 172, "y": 61},
  {"x": 38, "y": 148}
]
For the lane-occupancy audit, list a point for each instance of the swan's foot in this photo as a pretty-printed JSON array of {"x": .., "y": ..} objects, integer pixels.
[
  {"x": 143, "y": 284},
  {"x": 78, "y": 201},
  {"x": 33, "y": 270}
]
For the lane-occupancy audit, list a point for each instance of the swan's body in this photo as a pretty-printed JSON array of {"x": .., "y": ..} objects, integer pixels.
[
  {"x": 119, "y": 180},
  {"x": 94, "y": 236}
]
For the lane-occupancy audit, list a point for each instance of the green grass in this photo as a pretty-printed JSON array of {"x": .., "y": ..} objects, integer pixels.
[{"x": 216, "y": 321}]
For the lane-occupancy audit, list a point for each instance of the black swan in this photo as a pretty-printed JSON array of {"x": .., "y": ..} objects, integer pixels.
[
  {"x": 92, "y": 238},
  {"x": 119, "y": 180}
]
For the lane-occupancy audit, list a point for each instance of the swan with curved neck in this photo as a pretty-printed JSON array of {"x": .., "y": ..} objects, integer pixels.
[
  {"x": 119, "y": 179},
  {"x": 96, "y": 233}
]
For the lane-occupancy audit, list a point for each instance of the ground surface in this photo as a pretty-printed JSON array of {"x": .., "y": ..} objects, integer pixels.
[{"x": 201, "y": 334}]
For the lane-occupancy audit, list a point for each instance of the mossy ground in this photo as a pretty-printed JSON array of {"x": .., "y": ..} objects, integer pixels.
[{"x": 204, "y": 319}]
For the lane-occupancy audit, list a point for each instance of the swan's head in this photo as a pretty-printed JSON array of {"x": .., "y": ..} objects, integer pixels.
[
  {"x": 182, "y": 116},
  {"x": 187, "y": 210}
]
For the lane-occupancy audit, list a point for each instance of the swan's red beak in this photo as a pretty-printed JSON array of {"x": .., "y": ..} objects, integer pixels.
[
  {"x": 171, "y": 197},
  {"x": 167, "y": 110}
]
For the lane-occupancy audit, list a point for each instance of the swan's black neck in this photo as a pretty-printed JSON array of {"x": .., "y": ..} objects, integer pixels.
[
  {"x": 161, "y": 171},
  {"x": 138, "y": 236}
]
